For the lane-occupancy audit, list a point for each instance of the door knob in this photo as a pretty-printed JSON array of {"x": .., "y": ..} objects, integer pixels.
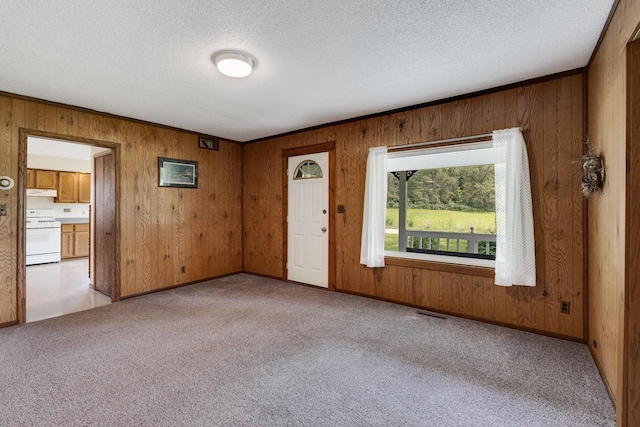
[{"x": 324, "y": 229}]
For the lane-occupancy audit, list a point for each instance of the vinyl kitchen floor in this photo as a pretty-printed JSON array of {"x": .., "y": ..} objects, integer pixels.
[{"x": 60, "y": 288}]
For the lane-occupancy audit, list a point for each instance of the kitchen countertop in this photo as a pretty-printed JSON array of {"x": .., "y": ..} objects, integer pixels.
[{"x": 76, "y": 220}]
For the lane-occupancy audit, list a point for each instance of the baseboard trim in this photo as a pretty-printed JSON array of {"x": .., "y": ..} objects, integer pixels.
[
  {"x": 180, "y": 285},
  {"x": 293, "y": 282},
  {"x": 320, "y": 288},
  {"x": 604, "y": 378},
  {"x": 469, "y": 317},
  {"x": 265, "y": 275},
  {"x": 7, "y": 324}
]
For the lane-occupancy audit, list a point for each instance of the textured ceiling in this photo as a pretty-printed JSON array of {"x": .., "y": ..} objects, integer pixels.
[{"x": 318, "y": 60}]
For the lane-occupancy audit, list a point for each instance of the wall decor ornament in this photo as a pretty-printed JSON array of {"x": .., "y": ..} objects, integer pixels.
[
  {"x": 208, "y": 143},
  {"x": 592, "y": 172}
]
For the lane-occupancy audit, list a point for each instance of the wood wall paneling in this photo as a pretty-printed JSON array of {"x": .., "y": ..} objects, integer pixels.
[
  {"x": 607, "y": 112},
  {"x": 263, "y": 201},
  {"x": 7, "y": 229},
  {"x": 579, "y": 217},
  {"x": 18, "y": 120},
  {"x": 153, "y": 245},
  {"x": 550, "y": 114},
  {"x": 632, "y": 262},
  {"x": 173, "y": 225}
]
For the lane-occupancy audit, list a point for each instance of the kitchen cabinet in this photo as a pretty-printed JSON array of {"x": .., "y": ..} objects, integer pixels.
[
  {"x": 66, "y": 241},
  {"x": 74, "y": 241},
  {"x": 31, "y": 178},
  {"x": 84, "y": 188},
  {"x": 74, "y": 187},
  {"x": 81, "y": 240},
  {"x": 42, "y": 179},
  {"x": 67, "y": 187}
]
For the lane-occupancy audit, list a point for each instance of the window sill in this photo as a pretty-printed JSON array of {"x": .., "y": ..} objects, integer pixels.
[{"x": 470, "y": 266}]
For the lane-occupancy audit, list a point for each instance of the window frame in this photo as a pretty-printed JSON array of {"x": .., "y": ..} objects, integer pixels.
[
  {"x": 436, "y": 257},
  {"x": 307, "y": 162}
]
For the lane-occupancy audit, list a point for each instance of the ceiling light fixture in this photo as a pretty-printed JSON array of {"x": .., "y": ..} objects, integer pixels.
[{"x": 233, "y": 63}]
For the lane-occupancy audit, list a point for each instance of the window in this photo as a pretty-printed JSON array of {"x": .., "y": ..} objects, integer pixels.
[
  {"x": 515, "y": 240},
  {"x": 307, "y": 169},
  {"x": 441, "y": 201}
]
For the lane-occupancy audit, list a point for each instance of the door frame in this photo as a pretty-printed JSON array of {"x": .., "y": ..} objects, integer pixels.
[
  {"x": 630, "y": 399},
  {"x": 22, "y": 202},
  {"x": 329, "y": 147}
]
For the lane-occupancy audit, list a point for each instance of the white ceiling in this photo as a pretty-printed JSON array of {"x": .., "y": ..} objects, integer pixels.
[
  {"x": 319, "y": 61},
  {"x": 57, "y": 148}
]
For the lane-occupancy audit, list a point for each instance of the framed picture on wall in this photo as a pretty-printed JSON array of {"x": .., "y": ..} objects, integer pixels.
[{"x": 177, "y": 173}]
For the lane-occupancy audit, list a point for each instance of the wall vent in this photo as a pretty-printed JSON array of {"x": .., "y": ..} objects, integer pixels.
[{"x": 426, "y": 313}]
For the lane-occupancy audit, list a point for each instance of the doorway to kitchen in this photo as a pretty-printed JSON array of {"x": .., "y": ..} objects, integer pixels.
[{"x": 59, "y": 190}]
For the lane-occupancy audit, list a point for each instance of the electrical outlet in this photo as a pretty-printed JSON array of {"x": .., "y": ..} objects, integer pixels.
[
  {"x": 3, "y": 210},
  {"x": 340, "y": 208},
  {"x": 84, "y": 212},
  {"x": 565, "y": 307},
  {"x": 183, "y": 269},
  {"x": 66, "y": 210}
]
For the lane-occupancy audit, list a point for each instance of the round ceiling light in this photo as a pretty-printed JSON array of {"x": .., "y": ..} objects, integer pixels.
[{"x": 233, "y": 63}]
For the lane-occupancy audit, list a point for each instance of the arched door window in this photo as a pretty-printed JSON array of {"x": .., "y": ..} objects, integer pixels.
[{"x": 307, "y": 169}]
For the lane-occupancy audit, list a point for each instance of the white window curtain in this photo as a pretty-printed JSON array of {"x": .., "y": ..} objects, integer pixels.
[
  {"x": 515, "y": 246},
  {"x": 375, "y": 209}
]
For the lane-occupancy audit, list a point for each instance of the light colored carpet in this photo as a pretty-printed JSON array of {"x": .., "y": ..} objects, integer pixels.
[{"x": 245, "y": 350}]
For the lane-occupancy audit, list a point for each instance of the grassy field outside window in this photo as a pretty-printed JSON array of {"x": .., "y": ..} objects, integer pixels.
[{"x": 439, "y": 220}]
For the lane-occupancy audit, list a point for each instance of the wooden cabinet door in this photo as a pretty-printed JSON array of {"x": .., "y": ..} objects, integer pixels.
[
  {"x": 66, "y": 244},
  {"x": 81, "y": 243},
  {"x": 46, "y": 180},
  {"x": 31, "y": 178},
  {"x": 84, "y": 188},
  {"x": 67, "y": 187}
]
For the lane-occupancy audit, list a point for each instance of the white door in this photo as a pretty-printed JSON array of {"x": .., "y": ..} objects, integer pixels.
[{"x": 308, "y": 219}]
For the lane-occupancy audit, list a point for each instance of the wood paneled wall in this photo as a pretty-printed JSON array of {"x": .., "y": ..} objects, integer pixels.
[
  {"x": 632, "y": 262},
  {"x": 551, "y": 116},
  {"x": 162, "y": 229},
  {"x": 607, "y": 97}
]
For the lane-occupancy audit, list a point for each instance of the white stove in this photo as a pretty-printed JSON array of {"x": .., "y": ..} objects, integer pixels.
[{"x": 43, "y": 237}]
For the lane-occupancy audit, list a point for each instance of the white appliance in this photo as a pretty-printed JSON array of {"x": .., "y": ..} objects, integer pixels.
[
  {"x": 43, "y": 237},
  {"x": 42, "y": 193}
]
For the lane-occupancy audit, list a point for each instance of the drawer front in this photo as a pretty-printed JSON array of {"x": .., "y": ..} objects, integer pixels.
[
  {"x": 82, "y": 227},
  {"x": 67, "y": 228}
]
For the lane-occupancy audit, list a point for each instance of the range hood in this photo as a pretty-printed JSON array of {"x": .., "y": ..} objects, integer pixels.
[{"x": 42, "y": 193}]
